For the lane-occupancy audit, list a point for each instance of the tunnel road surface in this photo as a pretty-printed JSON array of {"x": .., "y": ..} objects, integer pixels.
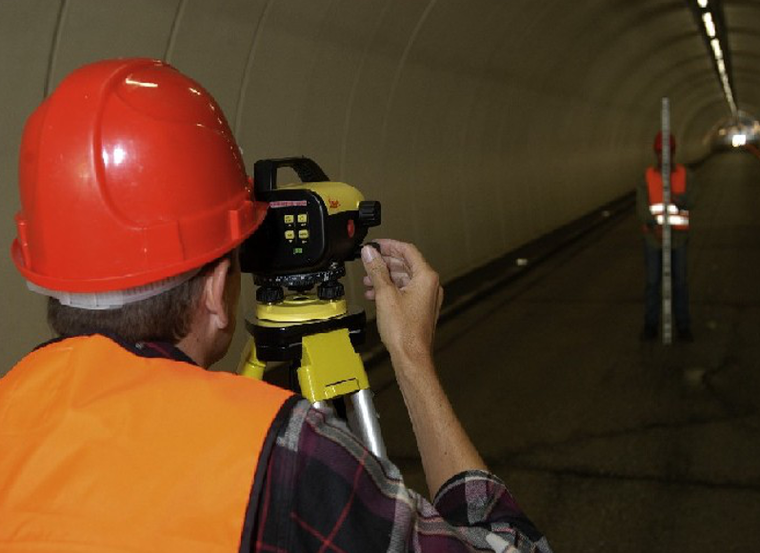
[{"x": 610, "y": 443}]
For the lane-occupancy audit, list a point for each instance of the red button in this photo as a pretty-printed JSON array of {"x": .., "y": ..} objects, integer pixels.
[{"x": 351, "y": 229}]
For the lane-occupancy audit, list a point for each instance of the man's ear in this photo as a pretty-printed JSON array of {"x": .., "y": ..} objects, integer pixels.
[{"x": 214, "y": 300}]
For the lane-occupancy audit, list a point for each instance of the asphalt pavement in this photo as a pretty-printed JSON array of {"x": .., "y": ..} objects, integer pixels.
[{"x": 610, "y": 443}]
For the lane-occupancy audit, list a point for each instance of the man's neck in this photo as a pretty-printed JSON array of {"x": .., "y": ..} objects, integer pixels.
[{"x": 192, "y": 346}]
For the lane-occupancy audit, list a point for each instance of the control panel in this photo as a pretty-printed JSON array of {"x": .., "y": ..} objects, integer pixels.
[
  {"x": 311, "y": 229},
  {"x": 292, "y": 237}
]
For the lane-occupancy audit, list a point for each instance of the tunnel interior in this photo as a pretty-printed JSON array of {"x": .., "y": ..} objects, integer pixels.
[{"x": 481, "y": 125}]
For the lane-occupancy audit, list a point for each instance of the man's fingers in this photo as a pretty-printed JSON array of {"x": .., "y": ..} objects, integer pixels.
[
  {"x": 408, "y": 254},
  {"x": 400, "y": 279},
  {"x": 395, "y": 263},
  {"x": 377, "y": 270}
]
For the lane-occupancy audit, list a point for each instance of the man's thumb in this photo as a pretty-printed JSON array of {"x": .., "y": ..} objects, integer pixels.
[{"x": 375, "y": 267}]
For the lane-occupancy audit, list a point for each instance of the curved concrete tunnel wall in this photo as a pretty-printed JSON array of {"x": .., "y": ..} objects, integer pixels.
[{"x": 480, "y": 124}]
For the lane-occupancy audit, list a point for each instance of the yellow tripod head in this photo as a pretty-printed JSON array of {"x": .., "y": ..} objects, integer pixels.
[{"x": 311, "y": 230}]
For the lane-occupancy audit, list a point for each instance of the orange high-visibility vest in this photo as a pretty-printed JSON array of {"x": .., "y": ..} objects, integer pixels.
[
  {"x": 103, "y": 450},
  {"x": 678, "y": 218}
]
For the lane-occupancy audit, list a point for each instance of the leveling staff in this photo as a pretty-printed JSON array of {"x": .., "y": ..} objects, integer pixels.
[
  {"x": 650, "y": 210},
  {"x": 113, "y": 436}
]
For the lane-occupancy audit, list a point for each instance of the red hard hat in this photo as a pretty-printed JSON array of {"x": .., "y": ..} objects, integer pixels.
[
  {"x": 658, "y": 143},
  {"x": 128, "y": 174}
]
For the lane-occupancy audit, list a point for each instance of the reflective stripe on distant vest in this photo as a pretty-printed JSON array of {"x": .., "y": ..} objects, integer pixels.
[
  {"x": 103, "y": 450},
  {"x": 678, "y": 218}
]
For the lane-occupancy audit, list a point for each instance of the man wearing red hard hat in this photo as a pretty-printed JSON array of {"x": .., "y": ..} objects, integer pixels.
[
  {"x": 650, "y": 210},
  {"x": 134, "y": 200}
]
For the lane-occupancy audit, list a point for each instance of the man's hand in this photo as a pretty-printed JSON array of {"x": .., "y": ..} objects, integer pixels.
[{"x": 408, "y": 295}]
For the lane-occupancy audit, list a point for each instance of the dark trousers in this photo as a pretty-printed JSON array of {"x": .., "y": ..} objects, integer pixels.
[{"x": 653, "y": 290}]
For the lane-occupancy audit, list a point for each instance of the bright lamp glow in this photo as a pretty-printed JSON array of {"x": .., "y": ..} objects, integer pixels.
[
  {"x": 739, "y": 140},
  {"x": 709, "y": 24},
  {"x": 702, "y": 3},
  {"x": 715, "y": 43}
]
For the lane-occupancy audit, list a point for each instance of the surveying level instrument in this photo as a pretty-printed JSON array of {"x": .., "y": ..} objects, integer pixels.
[
  {"x": 311, "y": 229},
  {"x": 667, "y": 279}
]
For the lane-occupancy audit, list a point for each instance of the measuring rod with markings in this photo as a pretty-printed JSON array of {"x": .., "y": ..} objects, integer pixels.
[{"x": 667, "y": 280}]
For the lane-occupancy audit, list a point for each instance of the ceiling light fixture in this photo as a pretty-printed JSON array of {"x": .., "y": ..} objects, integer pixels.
[
  {"x": 709, "y": 24},
  {"x": 715, "y": 43}
]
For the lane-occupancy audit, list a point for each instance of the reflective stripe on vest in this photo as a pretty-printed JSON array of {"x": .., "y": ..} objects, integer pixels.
[
  {"x": 103, "y": 450},
  {"x": 678, "y": 218}
]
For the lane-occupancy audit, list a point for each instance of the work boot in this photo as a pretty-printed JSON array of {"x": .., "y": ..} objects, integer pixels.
[{"x": 648, "y": 334}]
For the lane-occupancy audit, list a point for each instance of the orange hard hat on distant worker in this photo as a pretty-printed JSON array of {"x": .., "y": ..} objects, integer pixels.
[
  {"x": 129, "y": 175},
  {"x": 658, "y": 143}
]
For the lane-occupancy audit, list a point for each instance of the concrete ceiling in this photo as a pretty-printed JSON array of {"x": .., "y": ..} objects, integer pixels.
[
  {"x": 743, "y": 22},
  {"x": 480, "y": 124}
]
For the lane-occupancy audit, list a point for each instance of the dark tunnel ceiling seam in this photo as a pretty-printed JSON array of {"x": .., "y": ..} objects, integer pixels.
[
  {"x": 660, "y": 76},
  {"x": 354, "y": 88},
  {"x": 400, "y": 68},
  {"x": 706, "y": 107},
  {"x": 240, "y": 104},
  {"x": 478, "y": 94},
  {"x": 319, "y": 31},
  {"x": 174, "y": 31},
  {"x": 63, "y": 8},
  {"x": 625, "y": 79}
]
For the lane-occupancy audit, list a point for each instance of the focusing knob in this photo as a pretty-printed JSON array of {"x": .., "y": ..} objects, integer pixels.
[
  {"x": 330, "y": 290},
  {"x": 369, "y": 213},
  {"x": 269, "y": 294}
]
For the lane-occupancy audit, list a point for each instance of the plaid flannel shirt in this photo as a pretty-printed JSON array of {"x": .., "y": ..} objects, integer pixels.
[{"x": 324, "y": 491}]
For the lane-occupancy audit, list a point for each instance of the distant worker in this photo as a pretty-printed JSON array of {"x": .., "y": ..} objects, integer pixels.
[
  {"x": 650, "y": 211},
  {"x": 114, "y": 437}
]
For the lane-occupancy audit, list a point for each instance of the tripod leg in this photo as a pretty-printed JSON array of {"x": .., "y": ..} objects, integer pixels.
[
  {"x": 331, "y": 369},
  {"x": 250, "y": 365},
  {"x": 368, "y": 422},
  {"x": 324, "y": 406}
]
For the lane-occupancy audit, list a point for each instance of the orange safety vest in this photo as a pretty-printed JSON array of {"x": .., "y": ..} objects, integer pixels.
[
  {"x": 678, "y": 218},
  {"x": 103, "y": 450}
]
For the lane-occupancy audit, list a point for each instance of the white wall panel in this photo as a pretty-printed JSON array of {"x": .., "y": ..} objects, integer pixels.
[
  {"x": 27, "y": 34},
  {"x": 90, "y": 31},
  {"x": 212, "y": 42},
  {"x": 480, "y": 124}
]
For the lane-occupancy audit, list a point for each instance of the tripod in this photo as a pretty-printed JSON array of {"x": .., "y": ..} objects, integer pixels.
[{"x": 317, "y": 334}]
